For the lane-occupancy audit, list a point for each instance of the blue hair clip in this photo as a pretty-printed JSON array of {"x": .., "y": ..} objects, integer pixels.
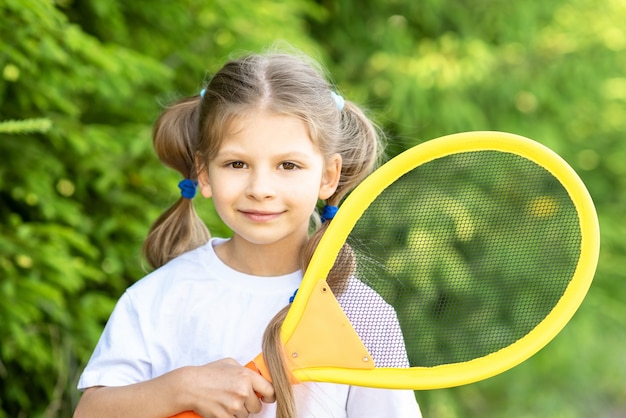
[
  {"x": 328, "y": 213},
  {"x": 188, "y": 188},
  {"x": 202, "y": 93},
  {"x": 339, "y": 100}
]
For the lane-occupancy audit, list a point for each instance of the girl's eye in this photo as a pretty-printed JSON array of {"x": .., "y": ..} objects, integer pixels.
[
  {"x": 288, "y": 166},
  {"x": 237, "y": 164}
]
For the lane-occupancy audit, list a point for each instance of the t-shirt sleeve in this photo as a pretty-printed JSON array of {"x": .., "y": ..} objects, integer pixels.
[
  {"x": 121, "y": 356},
  {"x": 374, "y": 403}
]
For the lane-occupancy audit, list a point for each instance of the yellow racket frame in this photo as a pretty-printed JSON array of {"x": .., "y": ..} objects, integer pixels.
[{"x": 424, "y": 378}]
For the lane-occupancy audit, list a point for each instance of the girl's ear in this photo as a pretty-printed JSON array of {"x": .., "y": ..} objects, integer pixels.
[
  {"x": 204, "y": 184},
  {"x": 330, "y": 177}
]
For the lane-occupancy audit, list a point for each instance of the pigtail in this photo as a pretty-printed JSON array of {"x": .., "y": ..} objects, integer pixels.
[
  {"x": 274, "y": 359},
  {"x": 345, "y": 265},
  {"x": 360, "y": 147},
  {"x": 342, "y": 269},
  {"x": 179, "y": 228}
]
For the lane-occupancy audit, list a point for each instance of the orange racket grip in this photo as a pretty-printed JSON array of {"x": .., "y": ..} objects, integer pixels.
[
  {"x": 258, "y": 365},
  {"x": 186, "y": 414}
]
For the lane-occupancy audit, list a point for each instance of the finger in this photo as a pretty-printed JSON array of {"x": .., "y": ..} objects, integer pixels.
[
  {"x": 263, "y": 388},
  {"x": 239, "y": 411},
  {"x": 253, "y": 405},
  {"x": 245, "y": 414}
]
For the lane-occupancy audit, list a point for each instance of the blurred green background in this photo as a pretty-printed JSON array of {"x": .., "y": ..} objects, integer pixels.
[{"x": 81, "y": 83}]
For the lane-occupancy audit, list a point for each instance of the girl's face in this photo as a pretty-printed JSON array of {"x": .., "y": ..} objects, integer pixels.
[{"x": 267, "y": 177}]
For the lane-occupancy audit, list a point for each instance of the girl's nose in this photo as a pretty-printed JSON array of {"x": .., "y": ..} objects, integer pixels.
[{"x": 261, "y": 185}]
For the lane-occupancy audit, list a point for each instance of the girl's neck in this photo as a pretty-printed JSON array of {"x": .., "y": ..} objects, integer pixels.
[{"x": 260, "y": 260}]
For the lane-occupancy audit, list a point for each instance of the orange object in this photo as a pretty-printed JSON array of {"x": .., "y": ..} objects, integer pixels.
[
  {"x": 258, "y": 365},
  {"x": 186, "y": 414}
]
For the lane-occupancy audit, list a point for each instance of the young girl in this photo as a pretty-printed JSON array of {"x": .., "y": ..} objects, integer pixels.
[{"x": 266, "y": 140}]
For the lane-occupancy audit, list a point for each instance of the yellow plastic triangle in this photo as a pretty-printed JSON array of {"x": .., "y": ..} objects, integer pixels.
[{"x": 324, "y": 336}]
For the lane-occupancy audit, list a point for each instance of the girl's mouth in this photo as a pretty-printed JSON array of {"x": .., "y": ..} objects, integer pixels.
[{"x": 256, "y": 216}]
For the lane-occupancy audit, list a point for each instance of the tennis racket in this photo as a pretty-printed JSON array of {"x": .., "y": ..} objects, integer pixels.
[{"x": 466, "y": 255}]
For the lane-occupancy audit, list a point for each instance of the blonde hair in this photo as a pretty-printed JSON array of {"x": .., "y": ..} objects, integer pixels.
[{"x": 189, "y": 133}]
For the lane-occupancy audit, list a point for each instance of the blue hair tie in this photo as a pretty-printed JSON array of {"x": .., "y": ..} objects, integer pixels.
[
  {"x": 188, "y": 188},
  {"x": 293, "y": 296},
  {"x": 328, "y": 213},
  {"x": 202, "y": 93},
  {"x": 339, "y": 101}
]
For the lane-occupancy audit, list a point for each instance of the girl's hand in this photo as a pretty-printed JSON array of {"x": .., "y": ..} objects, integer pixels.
[{"x": 225, "y": 388}]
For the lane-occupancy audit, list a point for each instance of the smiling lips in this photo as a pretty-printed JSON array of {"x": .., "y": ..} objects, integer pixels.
[{"x": 260, "y": 216}]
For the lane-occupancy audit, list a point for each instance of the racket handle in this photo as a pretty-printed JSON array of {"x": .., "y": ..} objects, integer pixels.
[{"x": 257, "y": 365}]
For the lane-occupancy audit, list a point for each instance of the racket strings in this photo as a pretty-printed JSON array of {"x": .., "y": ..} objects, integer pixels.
[{"x": 458, "y": 258}]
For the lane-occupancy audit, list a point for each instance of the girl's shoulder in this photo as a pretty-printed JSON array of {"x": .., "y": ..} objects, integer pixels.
[{"x": 192, "y": 266}]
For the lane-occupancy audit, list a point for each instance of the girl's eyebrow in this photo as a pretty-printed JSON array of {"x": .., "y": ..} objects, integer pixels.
[
  {"x": 297, "y": 155},
  {"x": 229, "y": 151},
  {"x": 286, "y": 155}
]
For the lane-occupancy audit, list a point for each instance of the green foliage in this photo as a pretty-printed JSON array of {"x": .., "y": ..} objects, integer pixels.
[
  {"x": 82, "y": 81},
  {"x": 40, "y": 125},
  {"x": 55, "y": 178},
  {"x": 79, "y": 185}
]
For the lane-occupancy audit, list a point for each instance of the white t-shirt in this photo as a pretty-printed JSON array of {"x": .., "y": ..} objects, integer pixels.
[{"x": 196, "y": 310}]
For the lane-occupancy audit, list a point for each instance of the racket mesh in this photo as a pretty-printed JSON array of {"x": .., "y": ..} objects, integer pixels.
[{"x": 459, "y": 258}]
